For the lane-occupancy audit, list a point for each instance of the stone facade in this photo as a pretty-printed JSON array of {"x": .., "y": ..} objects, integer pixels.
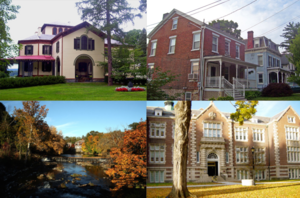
[{"x": 219, "y": 146}]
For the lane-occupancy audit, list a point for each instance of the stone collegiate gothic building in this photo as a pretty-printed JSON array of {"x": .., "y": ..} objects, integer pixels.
[{"x": 219, "y": 146}]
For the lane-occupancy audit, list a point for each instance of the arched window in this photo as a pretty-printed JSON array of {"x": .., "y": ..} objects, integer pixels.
[
  {"x": 60, "y": 30},
  {"x": 84, "y": 42},
  {"x": 54, "y": 31},
  {"x": 212, "y": 156}
]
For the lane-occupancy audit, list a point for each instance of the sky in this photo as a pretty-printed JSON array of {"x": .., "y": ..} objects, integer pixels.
[
  {"x": 79, "y": 118},
  {"x": 34, "y": 13},
  {"x": 264, "y": 108},
  {"x": 246, "y": 17}
]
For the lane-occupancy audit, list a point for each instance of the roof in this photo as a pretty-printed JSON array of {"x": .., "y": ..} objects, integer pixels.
[
  {"x": 42, "y": 58},
  {"x": 175, "y": 11},
  {"x": 41, "y": 37},
  {"x": 57, "y": 23},
  {"x": 284, "y": 59}
]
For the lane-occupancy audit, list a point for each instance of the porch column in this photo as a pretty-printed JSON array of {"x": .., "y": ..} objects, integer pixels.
[
  {"x": 18, "y": 68},
  {"x": 255, "y": 72},
  {"x": 205, "y": 74},
  {"x": 22, "y": 68},
  {"x": 277, "y": 77},
  {"x": 282, "y": 78},
  {"x": 220, "y": 74},
  {"x": 247, "y": 77}
]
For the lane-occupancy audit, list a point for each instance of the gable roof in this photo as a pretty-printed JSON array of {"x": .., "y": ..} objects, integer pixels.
[
  {"x": 175, "y": 11},
  {"x": 57, "y": 24},
  {"x": 281, "y": 114}
]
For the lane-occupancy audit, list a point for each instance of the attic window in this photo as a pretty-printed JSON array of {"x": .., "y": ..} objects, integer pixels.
[
  {"x": 60, "y": 30},
  {"x": 174, "y": 24},
  {"x": 158, "y": 112},
  {"x": 54, "y": 31}
]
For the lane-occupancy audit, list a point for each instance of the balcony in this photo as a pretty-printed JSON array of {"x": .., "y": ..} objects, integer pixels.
[{"x": 193, "y": 77}]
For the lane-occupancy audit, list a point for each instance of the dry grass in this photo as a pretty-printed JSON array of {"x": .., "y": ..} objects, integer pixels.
[{"x": 262, "y": 190}]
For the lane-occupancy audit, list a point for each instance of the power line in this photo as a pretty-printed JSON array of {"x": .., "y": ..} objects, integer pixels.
[
  {"x": 233, "y": 11},
  {"x": 269, "y": 17}
]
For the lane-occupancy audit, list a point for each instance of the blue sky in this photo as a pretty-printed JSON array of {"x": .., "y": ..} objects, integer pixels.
[
  {"x": 264, "y": 108},
  {"x": 79, "y": 118}
]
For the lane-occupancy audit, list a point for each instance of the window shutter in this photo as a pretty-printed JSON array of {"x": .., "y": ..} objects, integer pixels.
[
  {"x": 93, "y": 45},
  {"x": 50, "y": 49},
  {"x": 75, "y": 41},
  {"x": 25, "y": 50},
  {"x": 32, "y": 49},
  {"x": 43, "y": 49}
]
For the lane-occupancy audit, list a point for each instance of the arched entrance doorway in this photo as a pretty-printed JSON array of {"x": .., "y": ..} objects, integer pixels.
[
  {"x": 57, "y": 66},
  {"x": 273, "y": 77},
  {"x": 84, "y": 68},
  {"x": 212, "y": 164}
]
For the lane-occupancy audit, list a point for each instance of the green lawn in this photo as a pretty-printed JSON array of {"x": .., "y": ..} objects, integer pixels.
[
  {"x": 71, "y": 91},
  {"x": 188, "y": 183},
  {"x": 295, "y": 96}
]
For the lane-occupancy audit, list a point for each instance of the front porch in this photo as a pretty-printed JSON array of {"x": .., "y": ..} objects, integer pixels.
[
  {"x": 225, "y": 76},
  {"x": 278, "y": 75}
]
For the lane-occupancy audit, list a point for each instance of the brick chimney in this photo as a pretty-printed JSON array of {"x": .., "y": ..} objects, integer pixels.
[
  {"x": 250, "y": 40},
  {"x": 164, "y": 15}
]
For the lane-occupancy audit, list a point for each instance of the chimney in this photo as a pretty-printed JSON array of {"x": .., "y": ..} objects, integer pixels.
[
  {"x": 250, "y": 40},
  {"x": 39, "y": 31},
  {"x": 164, "y": 16},
  {"x": 169, "y": 105}
]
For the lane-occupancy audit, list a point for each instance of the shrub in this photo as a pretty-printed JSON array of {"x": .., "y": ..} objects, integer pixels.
[
  {"x": 225, "y": 98},
  {"x": 249, "y": 95},
  {"x": 7, "y": 83},
  {"x": 277, "y": 90},
  {"x": 212, "y": 98}
]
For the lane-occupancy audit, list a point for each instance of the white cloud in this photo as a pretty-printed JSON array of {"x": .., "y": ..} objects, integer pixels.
[{"x": 65, "y": 125}]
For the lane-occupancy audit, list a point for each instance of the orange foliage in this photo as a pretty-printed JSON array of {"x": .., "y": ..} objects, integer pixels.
[{"x": 130, "y": 160}]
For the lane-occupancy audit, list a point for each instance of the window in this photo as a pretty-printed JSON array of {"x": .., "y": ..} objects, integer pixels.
[
  {"x": 242, "y": 174},
  {"x": 195, "y": 67},
  {"x": 259, "y": 155},
  {"x": 172, "y": 45},
  {"x": 260, "y": 60},
  {"x": 196, "y": 41},
  {"x": 47, "y": 49},
  {"x": 174, "y": 25},
  {"x": 46, "y": 66},
  {"x": 91, "y": 45},
  {"x": 292, "y": 133},
  {"x": 54, "y": 31},
  {"x": 260, "y": 174},
  {"x": 76, "y": 43},
  {"x": 84, "y": 42},
  {"x": 241, "y": 134},
  {"x": 156, "y": 176},
  {"x": 151, "y": 70},
  {"x": 82, "y": 67},
  {"x": 274, "y": 62},
  {"x": 28, "y": 49},
  {"x": 269, "y": 61},
  {"x": 188, "y": 96},
  {"x": 157, "y": 130},
  {"x": 212, "y": 129},
  {"x": 260, "y": 78},
  {"x": 293, "y": 154},
  {"x": 278, "y": 63},
  {"x": 227, "y": 47},
  {"x": 215, "y": 43},
  {"x": 153, "y": 48},
  {"x": 294, "y": 173},
  {"x": 258, "y": 135},
  {"x": 198, "y": 157},
  {"x": 241, "y": 155},
  {"x": 26, "y": 63},
  {"x": 57, "y": 47},
  {"x": 227, "y": 157},
  {"x": 157, "y": 153},
  {"x": 237, "y": 51},
  {"x": 291, "y": 119}
]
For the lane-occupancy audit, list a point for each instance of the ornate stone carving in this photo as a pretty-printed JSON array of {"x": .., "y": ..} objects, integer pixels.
[{"x": 212, "y": 115}]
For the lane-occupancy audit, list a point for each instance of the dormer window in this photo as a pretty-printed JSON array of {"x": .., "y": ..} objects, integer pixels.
[
  {"x": 174, "y": 25},
  {"x": 158, "y": 112},
  {"x": 54, "y": 31},
  {"x": 60, "y": 30}
]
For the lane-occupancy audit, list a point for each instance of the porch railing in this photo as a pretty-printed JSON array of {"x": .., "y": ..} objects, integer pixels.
[
  {"x": 248, "y": 83},
  {"x": 213, "y": 81},
  {"x": 228, "y": 87},
  {"x": 239, "y": 87}
]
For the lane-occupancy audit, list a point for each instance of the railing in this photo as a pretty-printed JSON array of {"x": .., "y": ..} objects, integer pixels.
[
  {"x": 248, "y": 83},
  {"x": 228, "y": 87},
  {"x": 213, "y": 81},
  {"x": 239, "y": 87}
]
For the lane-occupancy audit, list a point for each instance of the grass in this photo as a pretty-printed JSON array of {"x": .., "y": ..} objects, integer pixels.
[
  {"x": 188, "y": 183},
  {"x": 71, "y": 91},
  {"x": 262, "y": 190},
  {"x": 295, "y": 96},
  {"x": 278, "y": 180}
]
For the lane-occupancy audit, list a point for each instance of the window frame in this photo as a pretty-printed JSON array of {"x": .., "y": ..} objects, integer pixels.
[
  {"x": 217, "y": 42},
  {"x": 160, "y": 126},
  {"x": 26, "y": 50},
  {"x": 54, "y": 28},
  {"x": 262, "y": 60},
  {"x": 172, "y": 38},
  {"x": 44, "y": 49},
  {"x": 262, "y": 77},
  {"x": 192, "y": 66},
  {"x": 193, "y": 44},
  {"x": 198, "y": 157},
  {"x": 237, "y": 133},
  {"x": 78, "y": 45},
  {"x": 237, "y": 51},
  {"x": 259, "y": 131},
  {"x": 238, "y": 155},
  {"x": 151, "y": 51},
  {"x": 46, "y": 67},
  {"x": 57, "y": 47},
  {"x": 293, "y": 119},
  {"x": 153, "y": 172},
  {"x": 154, "y": 161},
  {"x": 208, "y": 128},
  {"x": 175, "y": 19},
  {"x": 227, "y": 41},
  {"x": 185, "y": 96}
]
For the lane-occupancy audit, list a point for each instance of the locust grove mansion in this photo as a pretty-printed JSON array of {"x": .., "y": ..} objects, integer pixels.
[
  {"x": 63, "y": 50},
  {"x": 219, "y": 146}
]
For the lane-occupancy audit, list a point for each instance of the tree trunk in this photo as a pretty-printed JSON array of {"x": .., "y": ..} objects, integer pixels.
[
  {"x": 182, "y": 124},
  {"x": 109, "y": 61}
]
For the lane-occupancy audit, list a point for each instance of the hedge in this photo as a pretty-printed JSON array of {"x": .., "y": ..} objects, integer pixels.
[
  {"x": 225, "y": 98},
  {"x": 6, "y": 83},
  {"x": 249, "y": 95}
]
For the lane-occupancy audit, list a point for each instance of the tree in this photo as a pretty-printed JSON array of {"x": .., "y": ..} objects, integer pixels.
[
  {"x": 290, "y": 32},
  {"x": 154, "y": 86},
  {"x": 142, "y": 44},
  {"x": 143, "y": 6},
  {"x": 7, "y": 49},
  {"x": 244, "y": 111},
  {"x": 133, "y": 125},
  {"x": 294, "y": 48},
  {"x": 107, "y": 15},
  {"x": 132, "y": 37},
  {"x": 130, "y": 169},
  {"x": 229, "y": 27},
  {"x": 182, "y": 125}
]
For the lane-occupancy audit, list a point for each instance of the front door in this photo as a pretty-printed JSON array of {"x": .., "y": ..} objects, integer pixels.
[
  {"x": 212, "y": 168},
  {"x": 212, "y": 71}
]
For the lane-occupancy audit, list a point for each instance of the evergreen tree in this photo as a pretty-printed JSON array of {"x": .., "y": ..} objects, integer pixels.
[
  {"x": 107, "y": 15},
  {"x": 142, "y": 41},
  {"x": 289, "y": 33}
]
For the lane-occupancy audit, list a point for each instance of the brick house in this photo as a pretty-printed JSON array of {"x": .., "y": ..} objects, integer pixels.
[
  {"x": 217, "y": 70},
  {"x": 274, "y": 67},
  {"x": 219, "y": 146}
]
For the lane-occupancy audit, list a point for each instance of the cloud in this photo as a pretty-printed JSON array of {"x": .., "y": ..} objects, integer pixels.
[
  {"x": 268, "y": 108},
  {"x": 65, "y": 125}
]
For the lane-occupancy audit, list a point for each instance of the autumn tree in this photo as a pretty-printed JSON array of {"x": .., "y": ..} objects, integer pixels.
[
  {"x": 244, "y": 111},
  {"x": 130, "y": 160},
  {"x": 107, "y": 16},
  {"x": 55, "y": 140}
]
